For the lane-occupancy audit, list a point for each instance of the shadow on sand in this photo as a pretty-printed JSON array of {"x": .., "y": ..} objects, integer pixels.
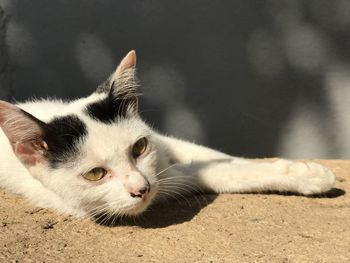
[
  {"x": 332, "y": 193},
  {"x": 169, "y": 213},
  {"x": 160, "y": 215}
]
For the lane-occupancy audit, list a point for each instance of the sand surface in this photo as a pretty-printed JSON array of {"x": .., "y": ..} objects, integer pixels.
[{"x": 224, "y": 228}]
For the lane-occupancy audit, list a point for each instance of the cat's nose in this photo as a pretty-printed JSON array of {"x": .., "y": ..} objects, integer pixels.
[{"x": 142, "y": 192}]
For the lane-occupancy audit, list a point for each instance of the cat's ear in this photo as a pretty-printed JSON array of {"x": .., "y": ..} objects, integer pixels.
[
  {"x": 24, "y": 133},
  {"x": 126, "y": 66},
  {"x": 122, "y": 84}
]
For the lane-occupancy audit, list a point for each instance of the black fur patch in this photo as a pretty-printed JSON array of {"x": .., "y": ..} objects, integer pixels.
[
  {"x": 110, "y": 108},
  {"x": 62, "y": 135}
]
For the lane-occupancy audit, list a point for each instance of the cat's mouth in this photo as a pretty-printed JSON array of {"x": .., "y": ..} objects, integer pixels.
[
  {"x": 106, "y": 211},
  {"x": 141, "y": 206}
]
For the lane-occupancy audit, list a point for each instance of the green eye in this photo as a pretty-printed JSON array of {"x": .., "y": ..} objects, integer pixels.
[
  {"x": 95, "y": 174},
  {"x": 139, "y": 147}
]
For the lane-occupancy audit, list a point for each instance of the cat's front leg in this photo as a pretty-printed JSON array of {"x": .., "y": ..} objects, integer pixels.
[
  {"x": 218, "y": 172},
  {"x": 232, "y": 176}
]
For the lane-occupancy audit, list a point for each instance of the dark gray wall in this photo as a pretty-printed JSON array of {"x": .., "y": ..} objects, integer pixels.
[{"x": 252, "y": 78}]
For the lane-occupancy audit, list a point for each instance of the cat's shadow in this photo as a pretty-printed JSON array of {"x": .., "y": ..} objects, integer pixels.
[
  {"x": 171, "y": 213},
  {"x": 160, "y": 215}
]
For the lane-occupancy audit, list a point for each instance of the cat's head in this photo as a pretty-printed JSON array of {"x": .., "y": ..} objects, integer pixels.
[{"x": 96, "y": 153}]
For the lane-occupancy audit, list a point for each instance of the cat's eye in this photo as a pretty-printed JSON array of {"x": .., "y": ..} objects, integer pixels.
[
  {"x": 95, "y": 174},
  {"x": 139, "y": 147}
]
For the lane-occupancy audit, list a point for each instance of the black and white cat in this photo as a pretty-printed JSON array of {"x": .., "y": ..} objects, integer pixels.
[{"x": 95, "y": 155}]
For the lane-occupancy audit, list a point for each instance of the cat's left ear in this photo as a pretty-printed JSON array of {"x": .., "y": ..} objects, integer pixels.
[
  {"x": 126, "y": 67},
  {"x": 122, "y": 85}
]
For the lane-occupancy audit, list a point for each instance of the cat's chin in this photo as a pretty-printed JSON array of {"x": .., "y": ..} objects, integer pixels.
[
  {"x": 135, "y": 209},
  {"x": 106, "y": 217}
]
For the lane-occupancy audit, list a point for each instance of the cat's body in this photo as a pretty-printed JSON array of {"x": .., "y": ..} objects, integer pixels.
[{"x": 49, "y": 149}]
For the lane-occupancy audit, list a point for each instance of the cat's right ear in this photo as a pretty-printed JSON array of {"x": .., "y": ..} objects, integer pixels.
[{"x": 24, "y": 133}]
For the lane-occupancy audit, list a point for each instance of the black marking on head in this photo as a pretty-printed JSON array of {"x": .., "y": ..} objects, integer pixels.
[
  {"x": 62, "y": 135},
  {"x": 121, "y": 100},
  {"x": 107, "y": 110}
]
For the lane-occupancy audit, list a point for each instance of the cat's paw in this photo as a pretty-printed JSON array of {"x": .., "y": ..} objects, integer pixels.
[{"x": 308, "y": 177}]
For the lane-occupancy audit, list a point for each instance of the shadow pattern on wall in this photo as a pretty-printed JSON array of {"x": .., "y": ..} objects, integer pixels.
[{"x": 251, "y": 78}]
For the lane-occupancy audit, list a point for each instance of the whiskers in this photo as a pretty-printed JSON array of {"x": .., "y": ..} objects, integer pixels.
[
  {"x": 178, "y": 187},
  {"x": 105, "y": 215}
]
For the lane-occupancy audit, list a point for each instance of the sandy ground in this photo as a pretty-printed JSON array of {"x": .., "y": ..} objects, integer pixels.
[{"x": 225, "y": 228}]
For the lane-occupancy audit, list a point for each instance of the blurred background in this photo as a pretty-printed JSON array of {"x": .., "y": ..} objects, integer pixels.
[{"x": 251, "y": 78}]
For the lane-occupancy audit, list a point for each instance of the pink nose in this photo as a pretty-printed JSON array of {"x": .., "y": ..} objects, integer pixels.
[{"x": 142, "y": 192}]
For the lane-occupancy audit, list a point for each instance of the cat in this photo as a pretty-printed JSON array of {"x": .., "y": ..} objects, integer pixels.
[{"x": 96, "y": 155}]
